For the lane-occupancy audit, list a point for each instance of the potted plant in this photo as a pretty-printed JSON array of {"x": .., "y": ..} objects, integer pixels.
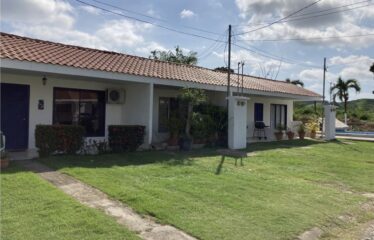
[
  {"x": 279, "y": 132},
  {"x": 4, "y": 159},
  {"x": 290, "y": 134},
  {"x": 192, "y": 97},
  {"x": 301, "y": 131},
  {"x": 174, "y": 126},
  {"x": 313, "y": 126}
]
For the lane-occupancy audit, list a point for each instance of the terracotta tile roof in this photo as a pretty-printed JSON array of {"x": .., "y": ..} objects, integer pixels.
[{"x": 34, "y": 50}]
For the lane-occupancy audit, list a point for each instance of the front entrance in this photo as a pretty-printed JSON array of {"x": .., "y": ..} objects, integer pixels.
[{"x": 15, "y": 115}]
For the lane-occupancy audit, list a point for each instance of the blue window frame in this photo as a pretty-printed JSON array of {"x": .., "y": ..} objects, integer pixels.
[{"x": 259, "y": 112}]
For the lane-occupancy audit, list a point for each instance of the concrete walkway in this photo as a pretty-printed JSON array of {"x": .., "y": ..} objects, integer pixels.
[{"x": 145, "y": 227}]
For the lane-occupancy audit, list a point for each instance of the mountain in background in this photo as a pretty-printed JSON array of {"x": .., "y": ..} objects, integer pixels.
[{"x": 361, "y": 109}]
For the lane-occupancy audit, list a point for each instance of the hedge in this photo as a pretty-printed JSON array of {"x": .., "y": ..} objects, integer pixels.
[
  {"x": 58, "y": 138},
  {"x": 125, "y": 137}
]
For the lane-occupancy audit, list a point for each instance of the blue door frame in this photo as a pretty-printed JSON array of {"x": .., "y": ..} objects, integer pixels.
[{"x": 15, "y": 99}]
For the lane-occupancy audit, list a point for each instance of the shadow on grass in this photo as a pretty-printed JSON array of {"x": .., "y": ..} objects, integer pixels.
[
  {"x": 181, "y": 159},
  {"x": 257, "y": 147}
]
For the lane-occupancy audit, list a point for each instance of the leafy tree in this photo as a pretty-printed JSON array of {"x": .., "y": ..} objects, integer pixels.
[
  {"x": 223, "y": 69},
  {"x": 193, "y": 97},
  {"x": 341, "y": 90},
  {"x": 175, "y": 57},
  {"x": 372, "y": 68},
  {"x": 295, "y": 82}
]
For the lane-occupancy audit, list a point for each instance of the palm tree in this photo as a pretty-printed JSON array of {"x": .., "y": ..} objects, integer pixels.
[
  {"x": 341, "y": 90},
  {"x": 295, "y": 82}
]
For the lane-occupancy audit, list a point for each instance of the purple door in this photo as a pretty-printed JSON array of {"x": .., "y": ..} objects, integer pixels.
[{"x": 15, "y": 115}]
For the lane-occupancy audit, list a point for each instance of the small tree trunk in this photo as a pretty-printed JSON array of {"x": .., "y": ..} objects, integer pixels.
[
  {"x": 345, "y": 111},
  {"x": 188, "y": 122},
  {"x": 345, "y": 118}
]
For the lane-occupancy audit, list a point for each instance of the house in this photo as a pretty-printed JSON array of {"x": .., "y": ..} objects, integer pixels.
[{"x": 48, "y": 83}]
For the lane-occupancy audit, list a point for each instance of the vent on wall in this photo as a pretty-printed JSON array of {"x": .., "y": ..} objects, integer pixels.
[{"x": 115, "y": 96}]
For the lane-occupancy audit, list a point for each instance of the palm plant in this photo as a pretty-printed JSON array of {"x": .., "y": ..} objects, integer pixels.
[
  {"x": 341, "y": 90},
  {"x": 295, "y": 82}
]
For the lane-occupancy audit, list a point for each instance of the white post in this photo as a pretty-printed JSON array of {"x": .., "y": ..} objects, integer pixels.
[
  {"x": 237, "y": 135},
  {"x": 150, "y": 115},
  {"x": 330, "y": 118}
]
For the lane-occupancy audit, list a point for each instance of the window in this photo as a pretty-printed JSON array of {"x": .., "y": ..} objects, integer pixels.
[
  {"x": 278, "y": 115},
  {"x": 259, "y": 112},
  {"x": 80, "y": 107},
  {"x": 166, "y": 106}
]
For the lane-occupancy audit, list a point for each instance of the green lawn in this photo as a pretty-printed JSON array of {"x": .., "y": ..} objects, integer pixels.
[
  {"x": 284, "y": 189},
  {"x": 31, "y": 208}
]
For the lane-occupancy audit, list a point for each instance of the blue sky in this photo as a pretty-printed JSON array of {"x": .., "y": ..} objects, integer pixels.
[{"x": 72, "y": 22}]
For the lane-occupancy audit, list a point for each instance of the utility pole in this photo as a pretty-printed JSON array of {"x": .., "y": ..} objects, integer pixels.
[
  {"x": 238, "y": 75},
  {"x": 323, "y": 95},
  {"x": 324, "y": 79},
  {"x": 242, "y": 76},
  {"x": 229, "y": 66}
]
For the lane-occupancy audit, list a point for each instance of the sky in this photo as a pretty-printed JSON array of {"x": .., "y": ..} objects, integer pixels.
[{"x": 329, "y": 28}]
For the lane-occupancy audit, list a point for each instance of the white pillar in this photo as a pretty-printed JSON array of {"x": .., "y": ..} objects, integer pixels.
[
  {"x": 150, "y": 115},
  {"x": 329, "y": 124},
  {"x": 237, "y": 135}
]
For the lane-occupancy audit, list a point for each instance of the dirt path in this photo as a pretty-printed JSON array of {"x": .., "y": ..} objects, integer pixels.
[{"x": 145, "y": 227}]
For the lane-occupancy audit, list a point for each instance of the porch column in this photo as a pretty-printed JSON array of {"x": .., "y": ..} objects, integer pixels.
[
  {"x": 329, "y": 124},
  {"x": 237, "y": 135},
  {"x": 150, "y": 114}
]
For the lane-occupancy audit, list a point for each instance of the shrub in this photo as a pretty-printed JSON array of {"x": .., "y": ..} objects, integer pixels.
[
  {"x": 58, "y": 138},
  {"x": 125, "y": 137},
  {"x": 202, "y": 126}
]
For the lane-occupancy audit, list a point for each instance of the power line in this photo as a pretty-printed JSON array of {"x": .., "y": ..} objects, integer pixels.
[
  {"x": 147, "y": 22},
  {"x": 300, "y": 39},
  {"x": 274, "y": 57},
  {"x": 325, "y": 14},
  {"x": 152, "y": 17},
  {"x": 315, "y": 12},
  {"x": 209, "y": 50},
  {"x": 281, "y": 19}
]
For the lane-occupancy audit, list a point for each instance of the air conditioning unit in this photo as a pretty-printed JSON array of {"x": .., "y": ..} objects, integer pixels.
[{"x": 115, "y": 96}]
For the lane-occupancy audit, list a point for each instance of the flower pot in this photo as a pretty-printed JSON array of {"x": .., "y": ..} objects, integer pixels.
[
  {"x": 173, "y": 140},
  {"x": 290, "y": 135},
  {"x": 301, "y": 135},
  {"x": 278, "y": 135},
  {"x": 4, "y": 163},
  {"x": 313, "y": 134}
]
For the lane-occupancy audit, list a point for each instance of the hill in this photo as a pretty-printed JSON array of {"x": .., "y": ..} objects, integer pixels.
[{"x": 361, "y": 109}]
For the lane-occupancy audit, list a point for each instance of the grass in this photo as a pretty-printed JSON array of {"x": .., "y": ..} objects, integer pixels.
[
  {"x": 31, "y": 208},
  {"x": 282, "y": 190}
]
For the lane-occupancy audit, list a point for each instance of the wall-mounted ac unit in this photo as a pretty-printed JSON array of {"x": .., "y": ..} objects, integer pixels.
[{"x": 115, "y": 96}]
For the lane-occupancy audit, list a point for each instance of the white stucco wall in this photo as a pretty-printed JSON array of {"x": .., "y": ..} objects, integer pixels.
[
  {"x": 133, "y": 111},
  {"x": 137, "y": 109},
  {"x": 267, "y": 101}
]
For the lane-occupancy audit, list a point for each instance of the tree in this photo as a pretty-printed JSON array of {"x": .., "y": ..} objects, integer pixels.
[
  {"x": 295, "y": 82},
  {"x": 341, "y": 90},
  {"x": 193, "y": 97},
  {"x": 372, "y": 68},
  {"x": 223, "y": 69},
  {"x": 175, "y": 57}
]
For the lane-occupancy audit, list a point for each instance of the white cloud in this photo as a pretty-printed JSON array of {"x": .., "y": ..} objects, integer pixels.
[
  {"x": 59, "y": 26},
  {"x": 38, "y": 12},
  {"x": 257, "y": 65},
  {"x": 122, "y": 33},
  {"x": 185, "y": 13},
  {"x": 91, "y": 10},
  {"x": 356, "y": 67},
  {"x": 147, "y": 48},
  {"x": 340, "y": 24}
]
